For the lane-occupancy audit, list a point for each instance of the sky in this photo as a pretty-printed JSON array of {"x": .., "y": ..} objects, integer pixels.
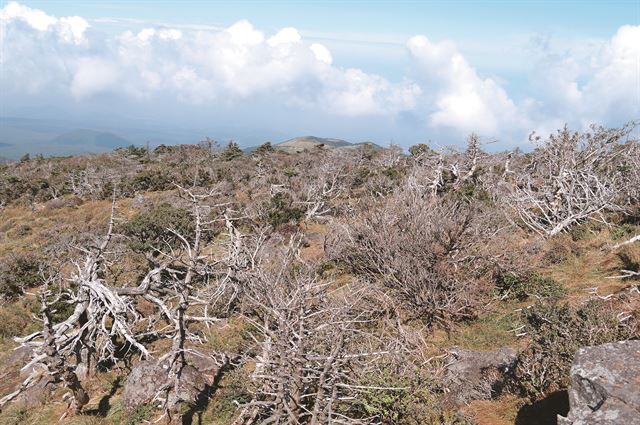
[{"x": 401, "y": 72}]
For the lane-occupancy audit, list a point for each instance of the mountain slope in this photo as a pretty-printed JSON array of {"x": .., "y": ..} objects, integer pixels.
[{"x": 91, "y": 138}]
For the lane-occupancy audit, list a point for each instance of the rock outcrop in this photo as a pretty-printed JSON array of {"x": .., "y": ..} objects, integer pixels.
[
  {"x": 605, "y": 385},
  {"x": 148, "y": 378},
  {"x": 477, "y": 375}
]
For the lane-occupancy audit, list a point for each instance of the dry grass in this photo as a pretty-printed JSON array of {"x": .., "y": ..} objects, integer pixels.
[{"x": 502, "y": 411}]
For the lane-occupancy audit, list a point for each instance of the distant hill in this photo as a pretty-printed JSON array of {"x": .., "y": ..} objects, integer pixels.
[
  {"x": 22, "y": 135},
  {"x": 91, "y": 138},
  {"x": 306, "y": 143}
]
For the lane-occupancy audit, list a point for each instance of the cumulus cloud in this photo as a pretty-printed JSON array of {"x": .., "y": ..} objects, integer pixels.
[
  {"x": 589, "y": 81},
  {"x": 69, "y": 29},
  {"x": 197, "y": 66},
  {"x": 594, "y": 81},
  {"x": 461, "y": 99}
]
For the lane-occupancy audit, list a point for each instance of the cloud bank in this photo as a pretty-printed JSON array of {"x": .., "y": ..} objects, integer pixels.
[{"x": 65, "y": 57}]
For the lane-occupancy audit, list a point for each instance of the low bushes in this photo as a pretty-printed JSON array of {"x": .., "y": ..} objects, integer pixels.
[
  {"x": 520, "y": 286},
  {"x": 17, "y": 273},
  {"x": 557, "y": 331}
]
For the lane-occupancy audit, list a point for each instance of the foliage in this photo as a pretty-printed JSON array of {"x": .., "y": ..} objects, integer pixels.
[
  {"x": 420, "y": 149},
  {"x": 232, "y": 151},
  {"x": 280, "y": 210},
  {"x": 264, "y": 149},
  {"x": 17, "y": 273},
  {"x": 520, "y": 286},
  {"x": 133, "y": 151},
  {"x": 557, "y": 330},
  {"x": 151, "y": 180},
  {"x": 16, "y": 318},
  {"x": 403, "y": 395},
  {"x": 152, "y": 229}
]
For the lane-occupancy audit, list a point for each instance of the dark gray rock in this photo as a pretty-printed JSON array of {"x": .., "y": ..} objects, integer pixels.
[
  {"x": 12, "y": 375},
  {"x": 605, "y": 385},
  {"x": 477, "y": 375},
  {"x": 148, "y": 378},
  {"x": 143, "y": 384}
]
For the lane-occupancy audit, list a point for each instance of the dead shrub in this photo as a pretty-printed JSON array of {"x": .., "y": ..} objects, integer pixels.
[{"x": 423, "y": 249}]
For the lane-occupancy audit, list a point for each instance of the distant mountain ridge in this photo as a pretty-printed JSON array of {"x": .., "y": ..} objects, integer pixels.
[
  {"x": 307, "y": 143},
  {"x": 100, "y": 139}
]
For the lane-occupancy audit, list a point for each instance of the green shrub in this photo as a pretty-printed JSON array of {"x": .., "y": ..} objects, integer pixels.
[
  {"x": 420, "y": 149},
  {"x": 16, "y": 318},
  {"x": 17, "y": 273},
  {"x": 264, "y": 149},
  {"x": 511, "y": 285},
  {"x": 403, "y": 397},
  {"x": 150, "y": 229},
  {"x": 151, "y": 180},
  {"x": 232, "y": 151},
  {"x": 132, "y": 151},
  {"x": 557, "y": 331},
  {"x": 235, "y": 389},
  {"x": 281, "y": 210}
]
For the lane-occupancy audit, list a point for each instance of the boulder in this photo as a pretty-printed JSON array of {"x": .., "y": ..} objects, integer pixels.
[
  {"x": 477, "y": 375},
  {"x": 143, "y": 384},
  {"x": 12, "y": 375},
  {"x": 148, "y": 378},
  {"x": 605, "y": 385}
]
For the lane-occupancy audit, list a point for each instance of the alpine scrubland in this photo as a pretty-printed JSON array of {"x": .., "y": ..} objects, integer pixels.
[{"x": 324, "y": 286}]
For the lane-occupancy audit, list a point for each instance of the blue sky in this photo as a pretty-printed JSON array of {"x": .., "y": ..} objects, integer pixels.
[{"x": 402, "y": 71}]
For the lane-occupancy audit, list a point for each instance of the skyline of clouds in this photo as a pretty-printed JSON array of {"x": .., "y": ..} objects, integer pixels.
[{"x": 71, "y": 61}]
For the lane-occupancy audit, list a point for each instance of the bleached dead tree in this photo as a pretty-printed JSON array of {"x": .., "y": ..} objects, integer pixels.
[
  {"x": 466, "y": 171},
  {"x": 571, "y": 177},
  {"x": 106, "y": 321},
  {"x": 325, "y": 184},
  {"x": 312, "y": 346},
  {"x": 100, "y": 323}
]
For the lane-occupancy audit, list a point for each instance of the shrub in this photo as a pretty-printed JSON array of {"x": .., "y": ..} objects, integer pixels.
[
  {"x": 17, "y": 273},
  {"x": 280, "y": 210},
  {"x": 404, "y": 395},
  {"x": 16, "y": 318},
  {"x": 150, "y": 229},
  {"x": 408, "y": 244},
  {"x": 264, "y": 149},
  {"x": 232, "y": 151},
  {"x": 557, "y": 331},
  {"x": 132, "y": 151},
  {"x": 419, "y": 149},
  {"x": 151, "y": 180},
  {"x": 512, "y": 285}
]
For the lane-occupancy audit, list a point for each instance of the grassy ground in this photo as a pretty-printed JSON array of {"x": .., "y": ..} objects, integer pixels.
[{"x": 579, "y": 261}]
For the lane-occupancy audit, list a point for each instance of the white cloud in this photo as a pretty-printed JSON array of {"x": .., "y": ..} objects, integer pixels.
[
  {"x": 37, "y": 19},
  {"x": 584, "y": 81},
  {"x": 69, "y": 29},
  {"x": 287, "y": 35},
  {"x": 93, "y": 76},
  {"x": 321, "y": 53},
  {"x": 461, "y": 99},
  {"x": 590, "y": 81},
  {"x": 197, "y": 66}
]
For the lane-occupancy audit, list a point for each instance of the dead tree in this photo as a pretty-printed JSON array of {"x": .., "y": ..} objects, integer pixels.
[
  {"x": 324, "y": 186},
  {"x": 468, "y": 170},
  {"x": 106, "y": 322},
  {"x": 312, "y": 349},
  {"x": 571, "y": 177}
]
